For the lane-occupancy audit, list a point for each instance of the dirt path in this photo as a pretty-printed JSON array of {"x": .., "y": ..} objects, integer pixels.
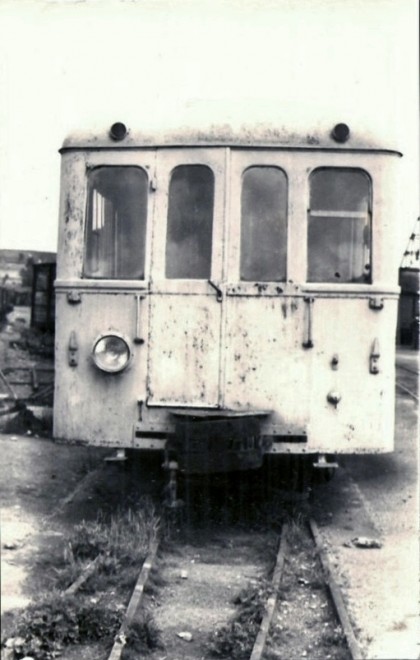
[{"x": 201, "y": 580}]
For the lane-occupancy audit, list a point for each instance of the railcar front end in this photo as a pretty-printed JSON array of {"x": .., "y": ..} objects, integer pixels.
[{"x": 223, "y": 300}]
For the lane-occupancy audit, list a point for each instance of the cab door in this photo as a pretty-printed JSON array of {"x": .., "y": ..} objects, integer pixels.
[
  {"x": 187, "y": 258},
  {"x": 265, "y": 365}
]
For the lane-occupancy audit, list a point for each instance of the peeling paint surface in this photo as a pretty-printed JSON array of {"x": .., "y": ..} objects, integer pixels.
[
  {"x": 364, "y": 417},
  {"x": 272, "y": 367},
  {"x": 73, "y": 201},
  {"x": 90, "y": 405},
  {"x": 222, "y": 343},
  {"x": 184, "y": 350}
]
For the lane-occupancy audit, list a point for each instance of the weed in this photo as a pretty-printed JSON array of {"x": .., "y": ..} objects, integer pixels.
[
  {"x": 297, "y": 535},
  {"x": 126, "y": 536},
  {"x": 45, "y": 627},
  {"x": 111, "y": 573},
  {"x": 155, "y": 581},
  {"x": 142, "y": 636},
  {"x": 64, "y": 576},
  {"x": 121, "y": 545},
  {"x": 233, "y": 641},
  {"x": 89, "y": 540},
  {"x": 333, "y": 637},
  {"x": 236, "y": 639}
]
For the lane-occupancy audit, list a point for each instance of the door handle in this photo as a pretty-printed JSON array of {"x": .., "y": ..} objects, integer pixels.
[
  {"x": 219, "y": 292},
  {"x": 309, "y": 340}
]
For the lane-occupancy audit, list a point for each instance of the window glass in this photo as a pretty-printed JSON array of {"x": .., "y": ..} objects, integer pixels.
[
  {"x": 190, "y": 223},
  {"x": 263, "y": 224},
  {"x": 116, "y": 223},
  {"x": 339, "y": 229}
]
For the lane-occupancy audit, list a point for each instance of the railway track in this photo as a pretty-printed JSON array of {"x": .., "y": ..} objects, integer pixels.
[
  {"x": 243, "y": 595},
  {"x": 407, "y": 381},
  {"x": 21, "y": 386},
  {"x": 407, "y": 391}
]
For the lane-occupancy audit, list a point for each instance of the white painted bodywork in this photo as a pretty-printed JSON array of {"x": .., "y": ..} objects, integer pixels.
[{"x": 227, "y": 345}]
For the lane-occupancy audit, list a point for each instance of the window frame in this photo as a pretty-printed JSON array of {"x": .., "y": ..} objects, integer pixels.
[
  {"x": 167, "y": 159},
  {"x": 369, "y": 215},
  {"x": 241, "y": 159},
  {"x": 90, "y": 169}
]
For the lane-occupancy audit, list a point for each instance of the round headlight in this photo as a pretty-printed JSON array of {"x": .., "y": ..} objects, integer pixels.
[{"x": 111, "y": 353}]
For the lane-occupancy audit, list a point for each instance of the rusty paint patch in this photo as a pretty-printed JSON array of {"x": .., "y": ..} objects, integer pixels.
[
  {"x": 261, "y": 287},
  {"x": 67, "y": 209},
  {"x": 294, "y": 305},
  {"x": 284, "y": 309}
]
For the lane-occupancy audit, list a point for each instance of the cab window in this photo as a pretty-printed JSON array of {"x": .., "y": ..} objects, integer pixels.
[
  {"x": 339, "y": 226},
  {"x": 263, "y": 224},
  {"x": 190, "y": 223},
  {"x": 116, "y": 223}
]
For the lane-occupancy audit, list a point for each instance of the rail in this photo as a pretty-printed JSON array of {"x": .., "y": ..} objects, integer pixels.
[
  {"x": 405, "y": 389},
  {"x": 263, "y": 634}
]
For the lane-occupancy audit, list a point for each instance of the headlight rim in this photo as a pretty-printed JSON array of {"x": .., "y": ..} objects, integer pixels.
[{"x": 124, "y": 339}]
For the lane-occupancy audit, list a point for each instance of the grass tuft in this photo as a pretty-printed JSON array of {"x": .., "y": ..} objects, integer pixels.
[
  {"x": 126, "y": 536},
  {"x": 142, "y": 636},
  {"x": 333, "y": 637},
  {"x": 236, "y": 639}
]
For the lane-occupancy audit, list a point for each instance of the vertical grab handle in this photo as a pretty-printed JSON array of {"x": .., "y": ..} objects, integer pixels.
[
  {"x": 137, "y": 338},
  {"x": 375, "y": 354},
  {"x": 308, "y": 343}
]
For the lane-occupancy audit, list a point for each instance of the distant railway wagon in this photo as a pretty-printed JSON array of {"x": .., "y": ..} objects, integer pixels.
[
  {"x": 6, "y": 301},
  {"x": 226, "y": 295},
  {"x": 43, "y": 297}
]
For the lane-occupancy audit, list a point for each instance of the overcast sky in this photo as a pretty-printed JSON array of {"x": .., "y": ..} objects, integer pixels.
[{"x": 67, "y": 65}]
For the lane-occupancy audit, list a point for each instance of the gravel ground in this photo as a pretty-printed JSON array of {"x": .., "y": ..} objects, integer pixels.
[{"x": 35, "y": 477}]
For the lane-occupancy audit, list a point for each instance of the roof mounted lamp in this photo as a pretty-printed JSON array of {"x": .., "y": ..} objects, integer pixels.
[
  {"x": 118, "y": 131},
  {"x": 340, "y": 133}
]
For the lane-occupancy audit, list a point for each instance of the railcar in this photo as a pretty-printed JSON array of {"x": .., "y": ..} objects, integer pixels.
[
  {"x": 227, "y": 295},
  {"x": 6, "y": 301},
  {"x": 42, "y": 297}
]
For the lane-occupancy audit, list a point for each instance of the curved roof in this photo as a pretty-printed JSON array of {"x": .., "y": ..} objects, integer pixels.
[{"x": 259, "y": 135}]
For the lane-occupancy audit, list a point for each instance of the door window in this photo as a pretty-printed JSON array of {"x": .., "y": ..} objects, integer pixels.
[
  {"x": 263, "y": 224},
  {"x": 190, "y": 223}
]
